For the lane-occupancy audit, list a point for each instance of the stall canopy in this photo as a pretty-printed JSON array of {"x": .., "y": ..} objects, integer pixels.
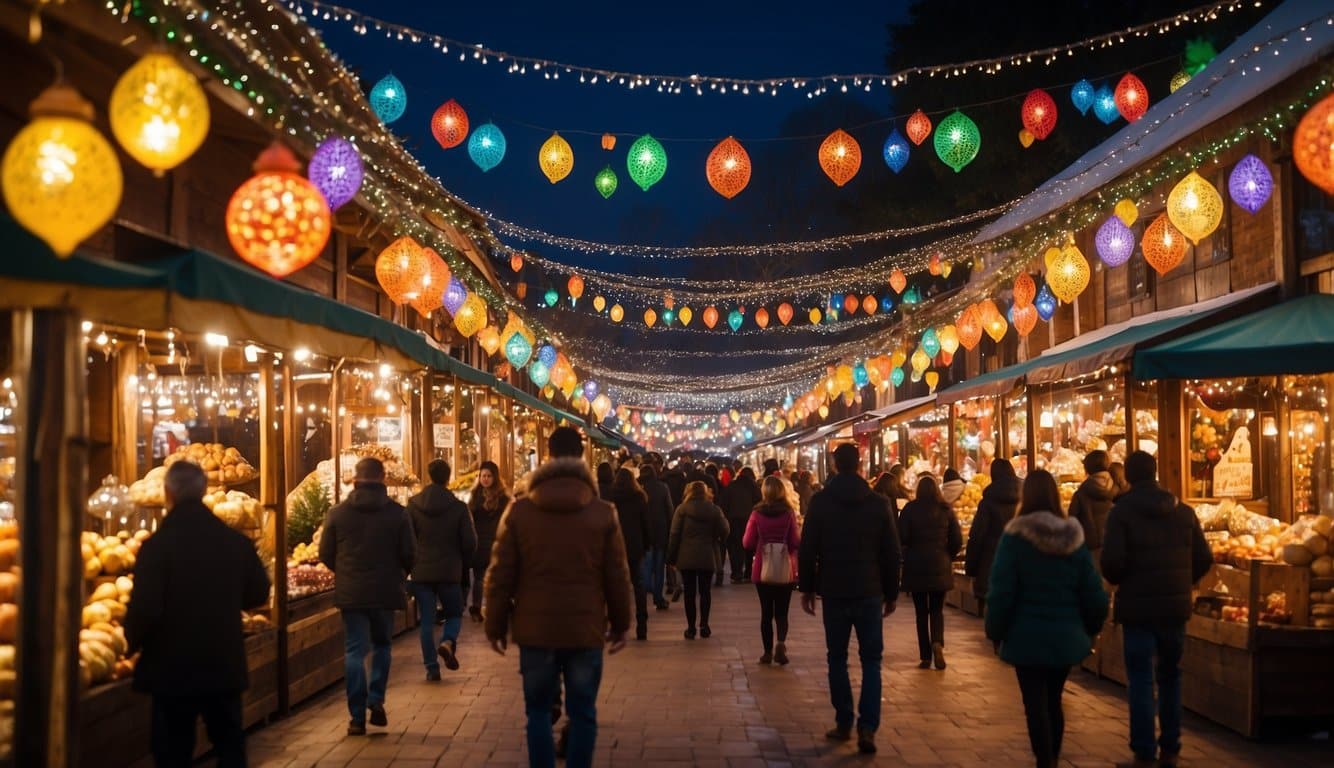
[
  {"x": 1293, "y": 337},
  {"x": 832, "y": 427},
  {"x": 877, "y": 417},
  {"x": 989, "y": 384}
]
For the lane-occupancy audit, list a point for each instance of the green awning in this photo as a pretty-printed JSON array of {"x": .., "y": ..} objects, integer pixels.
[
  {"x": 1293, "y": 337},
  {"x": 989, "y": 384}
]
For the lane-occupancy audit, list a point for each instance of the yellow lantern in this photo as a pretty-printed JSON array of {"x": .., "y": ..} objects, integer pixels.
[
  {"x": 1127, "y": 212},
  {"x": 843, "y": 377},
  {"x": 601, "y": 406},
  {"x": 650, "y": 317},
  {"x": 471, "y": 316},
  {"x": 1195, "y": 207},
  {"x": 617, "y": 313},
  {"x": 556, "y": 158},
  {"x": 1069, "y": 274},
  {"x": 948, "y": 336},
  {"x": 898, "y": 358},
  {"x": 158, "y": 112},
  {"x": 823, "y": 411},
  {"x": 920, "y": 361},
  {"x": 993, "y": 322},
  {"x": 61, "y": 179},
  {"x": 599, "y": 303},
  {"x": 686, "y": 315},
  {"x": 513, "y": 325},
  {"x": 1050, "y": 256},
  {"x": 489, "y": 338},
  {"x": 814, "y": 315},
  {"x": 932, "y": 379}
]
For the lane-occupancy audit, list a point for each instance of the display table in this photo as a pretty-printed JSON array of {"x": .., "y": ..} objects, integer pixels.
[{"x": 961, "y": 594}]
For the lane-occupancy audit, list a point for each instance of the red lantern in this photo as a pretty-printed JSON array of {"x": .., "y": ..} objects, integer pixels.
[
  {"x": 1039, "y": 113},
  {"x": 450, "y": 124},
  {"x": 1164, "y": 245},
  {"x": 919, "y": 127},
  {"x": 1132, "y": 98},
  {"x": 710, "y": 316},
  {"x": 401, "y": 269},
  {"x": 728, "y": 168},
  {"x": 1025, "y": 290},
  {"x": 785, "y": 313},
  {"x": 898, "y": 281},
  {"x": 521, "y": 290},
  {"x": 970, "y": 327},
  {"x": 840, "y": 157},
  {"x": 277, "y": 220},
  {"x": 762, "y": 317},
  {"x": 869, "y": 304},
  {"x": 850, "y": 304},
  {"x": 668, "y": 301},
  {"x": 1313, "y": 145},
  {"x": 1025, "y": 319}
]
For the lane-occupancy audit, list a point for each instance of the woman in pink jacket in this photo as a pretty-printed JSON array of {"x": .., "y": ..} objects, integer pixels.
[{"x": 772, "y": 534}]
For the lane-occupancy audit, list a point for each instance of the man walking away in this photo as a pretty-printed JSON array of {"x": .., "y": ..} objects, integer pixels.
[
  {"x": 660, "y": 522},
  {"x": 740, "y": 498},
  {"x": 559, "y": 584},
  {"x": 368, "y": 544},
  {"x": 1154, "y": 551},
  {"x": 446, "y": 540},
  {"x": 193, "y": 579},
  {"x": 849, "y": 554}
]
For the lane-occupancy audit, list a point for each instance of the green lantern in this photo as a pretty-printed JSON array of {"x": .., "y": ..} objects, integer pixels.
[
  {"x": 606, "y": 182},
  {"x": 647, "y": 162},
  {"x": 552, "y": 297},
  {"x": 957, "y": 140}
]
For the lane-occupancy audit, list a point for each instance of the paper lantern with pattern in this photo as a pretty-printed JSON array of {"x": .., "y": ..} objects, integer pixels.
[
  {"x": 919, "y": 361},
  {"x": 601, "y": 406},
  {"x": 486, "y": 146},
  {"x": 547, "y": 355},
  {"x": 449, "y": 124},
  {"x": 1179, "y": 79},
  {"x": 850, "y": 304},
  {"x": 918, "y": 127},
  {"x": 455, "y": 294},
  {"x": 158, "y": 112},
  {"x": 1045, "y": 303},
  {"x": 277, "y": 220},
  {"x": 1115, "y": 242},
  {"x": 734, "y": 319},
  {"x": 489, "y": 338},
  {"x": 1313, "y": 145},
  {"x": 471, "y": 317},
  {"x": 432, "y": 294},
  {"x": 617, "y": 313},
  {"x": 1132, "y": 98},
  {"x": 1127, "y": 211},
  {"x": 686, "y": 314},
  {"x": 1049, "y": 257},
  {"x": 957, "y": 140},
  {"x": 931, "y": 342},
  {"x": 1082, "y": 96},
  {"x": 1195, "y": 207},
  {"x": 1163, "y": 244},
  {"x": 896, "y": 151},
  {"x": 993, "y": 322},
  {"x": 1025, "y": 319},
  {"x": 785, "y": 313},
  {"x": 389, "y": 99},
  {"x": 814, "y": 315},
  {"x": 728, "y": 168},
  {"x": 869, "y": 304},
  {"x": 556, "y": 158},
  {"x": 1038, "y": 113},
  {"x": 710, "y": 316},
  {"x": 401, "y": 270},
  {"x": 551, "y": 297},
  {"x": 650, "y": 317},
  {"x": 840, "y": 157},
  {"x": 1024, "y": 289},
  {"x": 970, "y": 327},
  {"x": 647, "y": 162},
  {"x": 518, "y": 350},
  {"x": 575, "y": 285},
  {"x": 335, "y": 169},
  {"x": 897, "y": 280},
  {"x": 1104, "y": 105},
  {"x": 933, "y": 265},
  {"x": 762, "y": 317},
  {"x": 539, "y": 373},
  {"x": 1069, "y": 274},
  {"x": 1250, "y": 183},
  {"x": 606, "y": 182}
]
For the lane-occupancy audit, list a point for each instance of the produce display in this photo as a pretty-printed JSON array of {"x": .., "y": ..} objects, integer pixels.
[
  {"x": 223, "y": 465},
  {"x": 1067, "y": 491},
  {"x": 1322, "y": 608},
  {"x": 306, "y": 575},
  {"x": 395, "y": 471},
  {"x": 966, "y": 505},
  {"x": 239, "y": 511},
  {"x": 148, "y": 491},
  {"x": 107, "y": 564}
]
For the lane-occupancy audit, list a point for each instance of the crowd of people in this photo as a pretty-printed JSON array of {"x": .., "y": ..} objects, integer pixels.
[{"x": 560, "y": 567}]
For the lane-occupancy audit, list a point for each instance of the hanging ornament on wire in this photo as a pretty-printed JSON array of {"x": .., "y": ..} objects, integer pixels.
[
  {"x": 1127, "y": 212},
  {"x": 455, "y": 294},
  {"x": 1045, "y": 303},
  {"x": 486, "y": 146},
  {"x": 539, "y": 373},
  {"x": 335, "y": 169},
  {"x": 931, "y": 342},
  {"x": 556, "y": 158},
  {"x": 898, "y": 281},
  {"x": 449, "y": 124},
  {"x": 1082, "y": 96},
  {"x": 647, "y": 162},
  {"x": 840, "y": 157},
  {"x": 650, "y": 317},
  {"x": 489, "y": 338},
  {"x": 814, "y": 315},
  {"x": 551, "y": 297},
  {"x": 1163, "y": 244},
  {"x": 710, "y": 316},
  {"x": 934, "y": 265},
  {"x": 606, "y": 182},
  {"x": 277, "y": 220},
  {"x": 1038, "y": 113},
  {"x": 575, "y": 287},
  {"x": 896, "y": 151},
  {"x": 850, "y": 304},
  {"x": 686, "y": 314},
  {"x": 1195, "y": 207},
  {"x": 400, "y": 270},
  {"x": 1250, "y": 183},
  {"x": 1025, "y": 319},
  {"x": 1132, "y": 98},
  {"x": 1069, "y": 274},
  {"x": 948, "y": 337},
  {"x": 896, "y": 377},
  {"x": 1104, "y": 105},
  {"x": 1178, "y": 80},
  {"x": 957, "y": 140},
  {"x": 1025, "y": 138},
  {"x": 728, "y": 168},
  {"x": 969, "y": 326},
  {"x": 869, "y": 304},
  {"x": 599, "y": 303},
  {"x": 993, "y": 322},
  {"x": 1025, "y": 290},
  {"x": 432, "y": 294},
  {"x": 1313, "y": 145},
  {"x": 471, "y": 317},
  {"x": 734, "y": 319},
  {"x": 1115, "y": 242},
  {"x": 762, "y": 317},
  {"x": 518, "y": 350},
  {"x": 886, "y": 304},
  {"x": 785, "y": 313},
  {"x": 918, "y": 127},
  {"x": 389, "y": 99},
  {"x": 158, "y": 112},
  {"x": 616, "y": 313}
]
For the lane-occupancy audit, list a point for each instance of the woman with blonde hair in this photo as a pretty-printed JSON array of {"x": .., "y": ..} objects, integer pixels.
[
  {"x": 698, "y": 527},
  {"x": 772, "y": 534}
]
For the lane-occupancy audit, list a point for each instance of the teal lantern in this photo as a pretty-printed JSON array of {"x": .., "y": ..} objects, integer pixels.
[
  {"x": 957, "y": 140},
  {"x": 606, "y": 182},
  {"x": 896, "y": 377},
  {"x": 668, "y": 317},
  {"x": 1082, "y": 96},
  {"x": 552, "y": 297},
  {"x": 912, "y": 298},
  {"x": 930, "y": 343},
  {"x": 486, "y": 146},
  {"x": 1104, "y": 105},
  {"x": 734, "y": 319},
  {"x": 389, "y": 99},
  {"x": 859, "y": 375},
  {"x": 539, "y": 373},
  {"x": 518, "y": 351},
  {"x": 647, "y": 161}
]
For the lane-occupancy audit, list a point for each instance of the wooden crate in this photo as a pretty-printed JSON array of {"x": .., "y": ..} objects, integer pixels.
[{"x": 1218, "y": 673}]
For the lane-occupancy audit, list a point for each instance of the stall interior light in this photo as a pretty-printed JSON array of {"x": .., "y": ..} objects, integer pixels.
[
  {"x": 252, "y": 353},
  {"x": 1270, "y": 427},
  {"x": 87, "y": 326},
  {"x": 1045, "y": 421},
  {"x": 216, "y": 340},
  {"x": 301, "y": 354},
  {"x": 386, "y": 371}
]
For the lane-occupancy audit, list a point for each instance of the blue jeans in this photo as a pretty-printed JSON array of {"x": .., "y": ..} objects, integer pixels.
[
  {"x": 542, "y": 670},
  {"x": 841, "y": 617},
  {"x": 654, "y": 574},
  {"x": 451, "y": 597},
  {"x": 366, "y": 631},
  {"x": 1142, "y": 646}
]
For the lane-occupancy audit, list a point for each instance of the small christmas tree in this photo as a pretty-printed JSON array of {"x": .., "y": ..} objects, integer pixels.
[{"x": 307, "y": 513}]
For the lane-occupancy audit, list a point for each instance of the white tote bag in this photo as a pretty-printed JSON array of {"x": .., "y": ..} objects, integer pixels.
[{"x": 775, "y": 562}]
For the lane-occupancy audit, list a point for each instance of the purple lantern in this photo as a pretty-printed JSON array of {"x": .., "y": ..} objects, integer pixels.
[
  {"x": 1115, "y": 242},
  {"x": 590, "y": 389},
  {"x": 1250, "y": 184},
  {"x": 336, "y": 170},
  {"x": 455, "y": 294}
]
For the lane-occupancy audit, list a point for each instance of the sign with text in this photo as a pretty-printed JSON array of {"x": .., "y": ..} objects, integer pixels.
[
  {"x": 1233, "y": 479},
  {"x": 443, "y": 435}
]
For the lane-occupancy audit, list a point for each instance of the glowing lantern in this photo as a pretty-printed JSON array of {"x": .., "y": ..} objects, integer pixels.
[
  {"x": 970, "y": 327},
  {"x": 516, "y": 262},
  {"x": 556, "y": 158},
  {"x": 1132, "y": 98},
  {"x": 668, "y": 301},
  {"x": 993, "y": 322},
  {"x": 869, "y": 304},
  {"x": 551, "y": 297},
  {"x": 335, "y": 169},
  {"x": 599, "y": 303},
  {"x": 601, "y": 406},
  {"x": 814, "y": 315},
  {"x": 650, "y": 317},
  {"x": 432, "y": 294},
  {"x": 896, "y": 151},
  {"x": 918, "y": 127},
  {"x": 277, "y": 220},
  {"x": 389, "y": 99},
  {"x": 1313, "y": 145},
  {"x": 896, "y": 377},
  {"x": 957, "y": 140},
  {"x": 608, "y": 141},
  {"x": 1045, "y": 303},
  {"x": 1025, "y": 319},
  {"x": 606, "y": 182},
  {"x": 785, "y": 313},
  {"x": 1082, "y": 96},
  {"x": 1179, "y": 79},
  {"x": 401, "y": 270},
  {"x": 686, "y": 315},
  {"x": 1026, "y": 138},
  {"x": 1024, "y": 289},
  {"x": 1164, "y": 245},
  {"x": 933, "y": 265},
  {"x": 489, "y": 338},
  {"x": 912, "y": 298},
  {"x": 844, "y": 378},
  {"x": 1039, "y": 113},
  {"x": 1115, "y": 242},
  {"x": 471, "y": 316},
  {"x": 823, "y": 410},
  {"x": 860, "y": 376},
  {"x": 932, "y": 379},
  {"x": 590, "y": 389},
  {"x": 449, "y": 124},
  {"x": 617, "y": 313},
  {"x": 710, "y": 316},
  {"x": 1104, "y": 106},
  {"x": 948, "y": 336},
  {"x": 850, "y": 304},
  {"x": 762, "y": 317},
  {"x": 547, "y": 355},
  {"x": 521, "y": 290},
  {"x": 899, "y": 357},
  {"x": 840, "y": 157},
  {"x": 158, "y": 112},
  {"x": 1049, "y": 257},
  {"x": 575, "y": 286},
  {"x": 898, "y": 281},
  {"x": 728, "y": 168},
  {"x": 1070, "y": 274},
  {"x": 931, "y": 342},
  {"x": 455, "y": 294},
  {"x": 734, "y": 319},
  {"x": 1127, "y": 211},
  {"x": 886, "y": 305},
  {"x": 1195, "y": 207},
  {"x": 668, "y": 317},
  {"x": 539, "y": 373},
  {"x": 647, "y": 161},
  {"x": 61, "y": 179},
  {"x": 486, "y": 147},
  {"x": 514, "y": 324},
  {"x": 1250, "y": 184},
  {"x": 920, "y": 361}
]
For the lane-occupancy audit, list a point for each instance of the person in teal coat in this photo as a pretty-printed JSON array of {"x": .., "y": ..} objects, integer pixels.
[{"x": 1045, "y": 604}]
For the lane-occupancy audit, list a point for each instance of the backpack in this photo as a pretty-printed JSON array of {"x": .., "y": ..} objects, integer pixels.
[{"x": 776, "y": 561}]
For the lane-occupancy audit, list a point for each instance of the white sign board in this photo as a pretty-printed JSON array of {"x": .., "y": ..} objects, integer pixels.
[
  {"x": 443, "y": 435},
  {"x": 1232, "y": 479}
]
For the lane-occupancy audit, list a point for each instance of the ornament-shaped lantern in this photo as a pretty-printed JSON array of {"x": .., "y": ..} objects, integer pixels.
[
  {"x": 539, "y": 373},
  {"x": 1070, "y": 274},
  {"x": 277, "y": 220},
  {"x": 1127, "y": 211},
  {"x": 617, "y": 313},
  {"x": 601, "y": 406},
  {"x": 608, "y": 141},
  {"x": 1026, "y": 138},
  {"x": 471, "y": 317},
  {"x": 1313, "y": 145},
  {"x": 957, "y": 140},
  {"x": 650, "y": 317},
  {"x": 1025, "y": 319},
  {"x": 432, "y": 294},
  {"x": 489, "y": 338},
  {"x": 728, "y": 168},
  {"x": 850, "y": 304},
  {"x": 668, "y": 317},
  {"x": 547, "y": 355},
  {"x": 1195, "y": 207},
  {"x": 1115, "y": 242},
  {"x": 518, "y": 350},
  {"x": 1082, "y": 96},
  {"x": 335, "y": 169},
  {"x": 455, "y": 294},
  {"x": 686, "y": 314},
  {"x": 158, "y": 112},
  {"x": 1045, "y": 303},
  {"x": 869, "y": 304},
  {"x": 551, "y": 297},
  {"x": 1179, "y": 79},
  {"x": 449, "y": 124},
  {"x": 948, "y": 335},
  {"x": 1250, "y": 183},
  {"x": 896, "y": 377},
  {"x": 970, "y": 327},
  {"x": 1132, "y": 98},
  {"x": 599, "y": 303},
  {"x": 606, "y": 182},
  {"x": 896, "y": 151},
  {"x": 898, "y": 281},
  {"x": 918, "y": 127},
  {"x": 931, "y": 342},
  {"x": 734, "y": 319},
  {"x": 860, "y": 376},
  {"x": 933, "y": 265},
  {"x": 710, "y": 316},
  {"x": 932, "y": 379},
  {"x": 993, "y": 322},
  {"x": 840, "y": 157},
  {"x": 1164, "y": 245},
  {"x": 1025, "y": 290},
  {"x": 486, "y": 147},
  {"x": 814, "y": 315},
  {"x": 389, "y": 99},
  {"x": 886, "y": 304},
  {"x": 401, "y": 269},
  {"x": 1049, "y": 257},
  {"x": 920, "y": 361},
  {"x": 516, "y": 262},
  {"x": 762, "y": 317},
  {"x": 785, "y": 313},
  {"x": 647, "y": 162},
  {"x": 1104, "y": 105},
  {"x": 556, "y": 158},
  {"x": 1038, "y": 113}
]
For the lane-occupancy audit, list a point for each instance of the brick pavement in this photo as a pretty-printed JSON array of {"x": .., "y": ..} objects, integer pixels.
[{"x": 672, "y": 702}]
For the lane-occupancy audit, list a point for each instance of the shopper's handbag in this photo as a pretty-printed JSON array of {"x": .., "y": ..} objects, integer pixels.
[{"x": 775, "y": 562}]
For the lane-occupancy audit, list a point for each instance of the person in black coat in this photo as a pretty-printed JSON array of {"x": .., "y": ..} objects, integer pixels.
[
  {"x": 1000, "y": 502},
  {"x": 930, "y": 534},
  {"x": 660, "y": 512},
  {"x": 192, "y": 580},
  {"x": 632, "y": 510},
  {"x": 739, "y": 500},
  {"x": 446, "y": 541},
  {"x": 1093, "y": 501},
  {"x": 606, "y": 477},
  {"x": 675, "y": 480},
  {"x": 486, "y": 504}
]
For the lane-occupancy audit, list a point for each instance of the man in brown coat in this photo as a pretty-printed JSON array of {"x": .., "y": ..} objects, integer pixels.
[{"x": 559, "y": 584}]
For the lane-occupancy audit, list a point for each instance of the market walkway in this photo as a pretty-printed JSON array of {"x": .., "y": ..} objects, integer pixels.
[{"x": 668, "y": 701}]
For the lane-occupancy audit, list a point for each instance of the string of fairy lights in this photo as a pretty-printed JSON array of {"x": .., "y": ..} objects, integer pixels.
[{"x": 811, "y": 86}]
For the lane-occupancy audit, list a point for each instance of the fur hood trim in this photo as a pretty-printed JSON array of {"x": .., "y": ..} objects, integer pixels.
[
  {"x": 562, "y": 485},
  {"x": 1049, "y": 533},
  {"x": 556, "y": 468}
]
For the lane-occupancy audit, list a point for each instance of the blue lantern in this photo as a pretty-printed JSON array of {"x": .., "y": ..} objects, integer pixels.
[
  {"x": 835, "y": 302},
  {"x": 1045, "y": 303},
  {"x": 539, "y": 373},
  {"x": 859, "y": 375},
  {"x": 455, "y": 294},
  {"x": 930, "y": 343},
  {"x": 518, "y": 351},
  {"x": 787, "y": 402},
  {"x": 734, "y": 319},
  {"x": 896, "y": 151},
  {"x": 886, "y": 305},
  {"x": 1104, "y": 105},
  {"x": 389, "y": 99},
  {"x": 590, "y": 389},
  {"x": 1082, "y": 95},
  {"x": 546, "y": 355},
  {"x": 486, "y": 146},
  {"x": 896, "y": 377},
  {"x": 1009, "y": 315}
]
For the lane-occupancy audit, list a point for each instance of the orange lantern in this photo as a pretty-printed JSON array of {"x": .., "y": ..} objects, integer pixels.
[
  {"x": 575, "y": 286},
  {"x": 471, "y": 316},
  {"x": 1038, "y": 113},
  {"x": 521, "y": 290},
  {"x": 668, "y": 301},
  {"x": 728, "y": 168},
  {"x": 869, "y": 304},
  {"x": 516, "y": 262},
  {"x": 785, "y": 313},
  {"x": 898, "y": 281},
  {"x": 1025, "y": 290},
  {"x": 650, "y": 317},
  {"x": 970, "y": 327},
  {"x": 1025, "y": 319},
  {"x": 449, "y": 124},
  {"x": 1164, "y": 245},
  {"x": 278, "y": 220},
  {"x": 617, "y": 313},
  {"x": 762, "y": 317},
  {"x": 599, "y": 303},
  {"x": 710, "y": 316},
  {"x": 850, "y": 304},
  {"x": 401, "y": 269},
  {"x": 919, "y": 127},
  {"x": 993, "y": 322},
  {"x": 1132, "y": 98},
  {"x": 608, "y": 141},
  {"x": 1313, "y": 145},
  {"x": 489, "y": 338},
  {"x": 1026, "y": 138},
  {"x": 432, "y": 296},
  {"x": 840, "y": 157}
]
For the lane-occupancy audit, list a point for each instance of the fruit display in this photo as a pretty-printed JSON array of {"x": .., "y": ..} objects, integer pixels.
[
  {"x": 305, "y": 579},
  {"x": 223, "y": 465},
  {"x": 1322, "y": 609},
  {"x": 107, "y": 565},
  {"x": 966, "y": 505},
  {"x": 1067, "y": 491},
  {"x": 464, "y": 482},
  {"x": 110, "y": 556},
  {"x": 395, "y": 471},
  {"x": 148, "y": 492},
  {"x": 1307, "y": 543},
  {"x": 239, "y": 511}
]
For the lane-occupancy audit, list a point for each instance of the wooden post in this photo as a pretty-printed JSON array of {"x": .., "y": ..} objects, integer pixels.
[
  {"x": 456, "y": 450},
  {"x": 1128, "y": 392},
  {"x": 424, "y": 404},
  {"x": 1030, "y": 395},
  {"x": 336, "y": 427},
  {"x": 950, "y": 433},
  {"x": 294, "y": 434},
  {"x": 1172, "y": 446}
]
